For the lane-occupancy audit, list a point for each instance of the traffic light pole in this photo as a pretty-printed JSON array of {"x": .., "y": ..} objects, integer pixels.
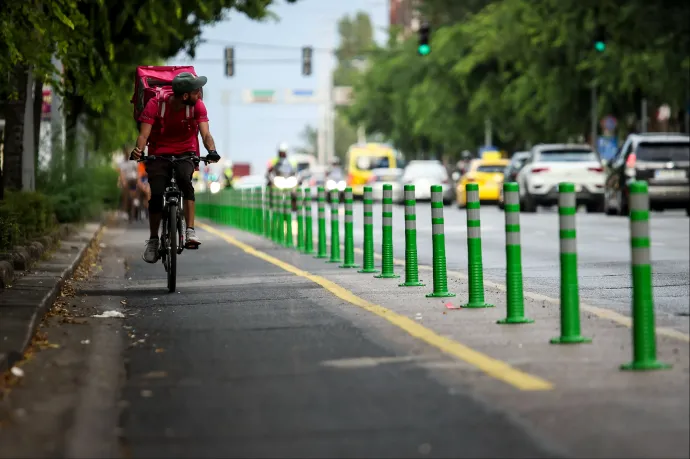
[{"x": 595, "y": 110}]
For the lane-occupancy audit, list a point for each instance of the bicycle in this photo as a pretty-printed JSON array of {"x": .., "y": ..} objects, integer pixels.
[{"x": 172, "y": 236}]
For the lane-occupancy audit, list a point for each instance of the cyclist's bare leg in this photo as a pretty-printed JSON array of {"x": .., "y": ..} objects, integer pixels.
[
  {"x": 154, "y": 224},
  {"x": 189, "y": 213}
]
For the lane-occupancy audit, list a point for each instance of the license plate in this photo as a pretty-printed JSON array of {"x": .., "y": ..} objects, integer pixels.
[{"x": 666, "y": 174}]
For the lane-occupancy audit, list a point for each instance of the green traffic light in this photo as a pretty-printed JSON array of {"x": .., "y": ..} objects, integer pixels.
[
  {"x": 600, "y": 46},
  {"x": 424, "y": 49}
]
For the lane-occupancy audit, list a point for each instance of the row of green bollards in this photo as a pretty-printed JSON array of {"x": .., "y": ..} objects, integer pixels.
[{"x": 268, "y": 212}]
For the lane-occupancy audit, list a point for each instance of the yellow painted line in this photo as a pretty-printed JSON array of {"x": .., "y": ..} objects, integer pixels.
[
  {"x": 493, "y": 367},
  {"x": 600, "y": 312}
]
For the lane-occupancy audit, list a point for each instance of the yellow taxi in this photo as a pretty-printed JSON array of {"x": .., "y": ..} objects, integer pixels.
[
  {"x": 362, "y": 159},
  {"x": 488, "y": 174}
]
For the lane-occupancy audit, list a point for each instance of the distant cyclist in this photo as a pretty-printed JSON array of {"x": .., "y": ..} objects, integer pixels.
[{"x": 178, "y": 139}]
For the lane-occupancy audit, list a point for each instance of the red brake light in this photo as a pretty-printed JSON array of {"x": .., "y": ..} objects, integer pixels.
[
  {"x": 372, "y": 179},
  {"x": 537, "y": 170},
  {"x": 595, "y": 169},
  {"x": 471, "y": 179},
  {"x": 632, "y": 159}
]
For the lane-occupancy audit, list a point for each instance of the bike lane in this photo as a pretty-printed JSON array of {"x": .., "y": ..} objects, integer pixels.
[{"x": 251, "y": 360}]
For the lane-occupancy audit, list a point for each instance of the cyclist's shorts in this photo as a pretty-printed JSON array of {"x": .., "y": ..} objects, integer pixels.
[{"x": 132, "y": 185}]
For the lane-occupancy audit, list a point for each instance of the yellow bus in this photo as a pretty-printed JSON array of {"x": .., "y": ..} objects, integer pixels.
[{"x": 361, "y": 159}]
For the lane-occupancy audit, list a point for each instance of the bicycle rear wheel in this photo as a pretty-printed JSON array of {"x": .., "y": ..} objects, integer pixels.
[{"x": 172, "y": 247}]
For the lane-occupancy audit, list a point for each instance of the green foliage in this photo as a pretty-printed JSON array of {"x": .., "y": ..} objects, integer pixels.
[
  {"x": 91, "y": 190},
  {"x": 529, "y": 67},
  {"x": 24, "y": 216}
]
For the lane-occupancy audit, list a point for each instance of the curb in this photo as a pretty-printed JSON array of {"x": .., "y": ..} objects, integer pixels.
[{"x": 15, "y": 351}]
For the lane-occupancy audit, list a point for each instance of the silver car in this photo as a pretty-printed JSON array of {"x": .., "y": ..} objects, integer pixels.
[
  {"x": 424, "y": 173},
  {"x": 386, "y": 176}
]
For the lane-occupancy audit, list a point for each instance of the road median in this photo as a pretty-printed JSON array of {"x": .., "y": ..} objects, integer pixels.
[{"x": 590, "y": 399}]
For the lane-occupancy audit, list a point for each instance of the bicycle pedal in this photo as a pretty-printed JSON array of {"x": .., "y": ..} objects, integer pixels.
[{"x": 192, "y": 247}]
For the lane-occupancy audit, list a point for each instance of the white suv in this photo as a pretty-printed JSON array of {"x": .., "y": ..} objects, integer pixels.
[{"x": 551, "y": 164}]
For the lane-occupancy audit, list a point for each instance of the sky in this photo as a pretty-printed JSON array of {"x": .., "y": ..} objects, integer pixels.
[{"x": 268, "y": 56}]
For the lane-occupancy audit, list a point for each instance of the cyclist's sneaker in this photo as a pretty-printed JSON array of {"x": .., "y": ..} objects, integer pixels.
[
  {"x": 151, "y": 251},
  {"x": 192, "y": 240}
]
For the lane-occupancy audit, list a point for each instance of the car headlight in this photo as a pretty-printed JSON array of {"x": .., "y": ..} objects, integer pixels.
[
  {"x": 331, "y": 184},
  {"x": 215, "y": 187},
  {"x": 341, "y": 185}
]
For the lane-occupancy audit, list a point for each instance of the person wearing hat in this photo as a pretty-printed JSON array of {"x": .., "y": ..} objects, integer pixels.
[{"x": 179, "y": 138}]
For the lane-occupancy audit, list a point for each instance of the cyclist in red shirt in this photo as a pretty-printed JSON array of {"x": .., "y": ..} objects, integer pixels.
[{"x": 179, "y": 138}]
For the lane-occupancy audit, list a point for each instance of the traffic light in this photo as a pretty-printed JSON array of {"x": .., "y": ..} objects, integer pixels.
[
  {"x": 229, "y": 61},
  {"x": 424, "y": 47},
  {"x": 600, "y": 39},
  {"x": 307, "y": 52}
]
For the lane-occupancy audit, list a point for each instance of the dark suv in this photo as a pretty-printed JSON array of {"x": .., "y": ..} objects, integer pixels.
[
  {"x": 511, "y": 171},
  {"x": 660, "y": 159}
]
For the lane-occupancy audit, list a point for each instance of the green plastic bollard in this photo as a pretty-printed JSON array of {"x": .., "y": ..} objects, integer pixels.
[
  {"x": 368, "y": 226},
  {"x": 387, "y": 271},
  {"x": 515, "y": 298},
  {"x": 570, "y": 296},
  {"x": 300, "y": 220},
  {"x": 475, "y": 265},
  {"x": 308, "y": 223},
  {"x": 411, "y": 266},
  {"x": 349, "y": 233},
  {"x": 289, "y": 240},
  {"x": 643, "y": 327},
  {"x": 258, "y": 211},
  {"x": 335, "y": 229},
  {"x": 280, "y": 220},
  {"x": 321, "y": 196},
  {"x": 438, "y": 240},
  {"x": 267, "y": 213}
]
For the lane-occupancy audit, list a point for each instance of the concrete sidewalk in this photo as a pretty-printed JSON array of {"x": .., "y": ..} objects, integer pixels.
[
  {"x": 592, "y": 408},
  {"x": 24, "y": 303}
]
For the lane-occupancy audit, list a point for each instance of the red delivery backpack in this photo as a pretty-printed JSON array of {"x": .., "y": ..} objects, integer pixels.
[{"x": 156, "y": 82}]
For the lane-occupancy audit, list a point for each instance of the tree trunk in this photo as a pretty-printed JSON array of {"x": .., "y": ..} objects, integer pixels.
[
  {"x": 38, "y": 115},
  {"x": 14, "y": 129}
]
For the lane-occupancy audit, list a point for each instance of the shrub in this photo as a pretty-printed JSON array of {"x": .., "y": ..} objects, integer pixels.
[
  {"x": 90, "y": 190},
  {"x": 24, "y": 216}
]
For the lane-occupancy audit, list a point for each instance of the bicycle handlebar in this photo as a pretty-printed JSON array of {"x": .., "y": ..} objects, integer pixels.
[{"x": 195, "y": 159}]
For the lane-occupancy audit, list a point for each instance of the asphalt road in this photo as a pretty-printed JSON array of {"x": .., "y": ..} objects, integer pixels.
[
  {"x": 603, "y": 252},
  {"x": 234, "y": 366}
]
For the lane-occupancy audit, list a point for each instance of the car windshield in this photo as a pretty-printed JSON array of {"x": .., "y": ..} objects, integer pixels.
[
  {"x": 567, "y": 155},
  {"x": 367, "y": 163},
  {"x": 422, "y": 169},
  {"x": 491, "y": 168},
  {"x": 679, "y": 151}
]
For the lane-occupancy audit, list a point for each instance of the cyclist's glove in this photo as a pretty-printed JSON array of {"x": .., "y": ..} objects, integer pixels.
[{"x": 213, "y": 156}]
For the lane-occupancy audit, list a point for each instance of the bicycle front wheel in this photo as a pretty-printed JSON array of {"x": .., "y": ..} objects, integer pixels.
[{"x": 172, "y": 247}]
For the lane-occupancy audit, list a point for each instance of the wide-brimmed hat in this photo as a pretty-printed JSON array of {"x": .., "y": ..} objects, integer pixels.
[{"x": 187, "y": 82}]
